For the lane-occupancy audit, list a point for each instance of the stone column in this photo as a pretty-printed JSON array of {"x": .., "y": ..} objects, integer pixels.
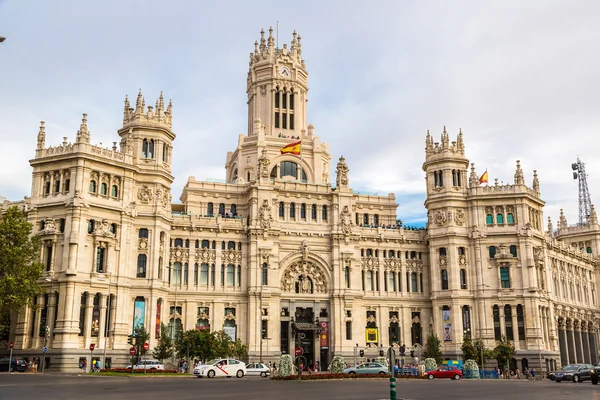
[
  {"x": 113, "y": 311},
  {"x": 502, "y": 322},
  {"x": 50, "y": 316},
  {"x": 593, "y": 344},
  {"x": 36, "y": 323},
  {"x": 586, "y": 343},
  {"x": 102, "y": 340},
  {"x": 562, "y": 342},
  {"x": 571, "y": 343},
  {"x": 578, "y": 342},
  {"x": 515, "y": 328},
  {"x": 87, "y": 328},
  {"x": 546, "y": 323}
]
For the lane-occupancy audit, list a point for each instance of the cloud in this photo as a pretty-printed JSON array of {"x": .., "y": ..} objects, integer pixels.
[{"x": 518, "y": 78}]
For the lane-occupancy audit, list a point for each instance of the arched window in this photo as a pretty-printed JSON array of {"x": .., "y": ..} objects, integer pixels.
[
  {"x": 365, "y": 219},
  {"x": 461, "y": 251},
  {"x": 143, "y": 233},
  {"x": 303, "y": 211},
  {"x": 160, "y": 267},
  {"x": 178, "y": 242},
  {"x": 292, "y": 210},
  {"x": 196, "y": 274},
  {"x": 235, "y": 174},
  {"x": 151, "y": 149},
  {"x": 369, "y": 253},
  {"x": 204, "y": 274},
  {"x": 67, "y": 185},
  {"x": 93, "y": 186},
  {"x": 277, "y": 94},
  {"x": 291, "y": 103},
  {"x": 265, "y": 274},
  {"x": 103, "y": 189},
  {"x": 281, "y": 209},
  {"x": 221, "y": 209},
  {"x": 444, "y": 274},
  {"x": 187, "y": 243},
  {"x": 145, "y": 148},
  {"x": 197, "y": 244},
  {"x": 114, "y": 191},
  {"x": 177, "y": 273},
  {"x": 496, "y": 314},
  {"x": 492, "y": 251},
  {"x": 324, "y": 216},
  {"x": 313, "y": 212},
  {"x": 210, "y": 209},
  {"x": 442, "y": 252},
  {"x": 463, "y": 278},
  {"x": 175, "y": 327},
  {"x": 205, "y": 244},
  {"x": 274, "y": 173},
  {"x": 231, "y": 245},
  {"x": 589, "y": 250},
  {"x": 513, "y": 250},
  {"x": 510, "y": 219},
  {"x": 233, "y": 210},
  {"x": 391, "y": 254},
  {"x": 141, "y": 265},
  {"x": 489, "y": 219},
  {"x": 520, "y": 322},
  {"x": 500, "y": 219},
  {"x": 288, "y": 168},
  {"x": 376, "y": 219},
  {"x": 510, "y": 335},
  {"x": 57, "y": 186}
]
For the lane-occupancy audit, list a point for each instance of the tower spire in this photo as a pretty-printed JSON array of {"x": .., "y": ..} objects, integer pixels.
[
  {"x": 83, "y": 135},
  {"x": 138, "y": 103},
  {"x": 271, "y": 41},
  {"x": 41, "y": 138},
  {"x": 536, "y": 182}
]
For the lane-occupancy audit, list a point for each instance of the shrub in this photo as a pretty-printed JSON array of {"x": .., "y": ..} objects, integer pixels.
[
  {"x": 430, "y": 364},
  {"x": 470, "y": 370},
  {"x": 308, "y": 377},
  {"x": 337, "y": 365},
  {"x": 285, "y": 365}
]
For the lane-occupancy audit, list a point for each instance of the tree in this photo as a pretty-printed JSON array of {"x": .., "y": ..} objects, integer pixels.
[
  {"x": 20, "y": 269},
  {"x": 504, "y": 352},
  {"x": 141, "y": 337},
  {"x": 433, "y": 347},
  {"x": 469, "y": 352},
  {"x": 239, "y": 350},
  {"x": 164, "y": 347},
  {"x": 200, "y": 344}
]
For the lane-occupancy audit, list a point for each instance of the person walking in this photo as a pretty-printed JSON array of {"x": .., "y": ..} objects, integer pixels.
[{"x": 532, "y": 373}]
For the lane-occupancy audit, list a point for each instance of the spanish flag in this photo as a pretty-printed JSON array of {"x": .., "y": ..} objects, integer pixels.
[
  {"x": 293, "y": 148},
  {"x": 484, "y": 178}
]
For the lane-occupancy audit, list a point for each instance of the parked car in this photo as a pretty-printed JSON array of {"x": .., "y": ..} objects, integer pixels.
[
  {"x": 150, "y": 365},
  {"x": 445, "y": 372},
  {"x": 367, "y": 368},
  {"x": 257, "y": 369},
  {"x": 18, "y": 365},
  {"x": 574, "y": 372},
  {"x": 595, "y": 374},
  {"x": 221, "y": 367}
]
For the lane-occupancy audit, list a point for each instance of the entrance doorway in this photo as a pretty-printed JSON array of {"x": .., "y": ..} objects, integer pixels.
[{"x": 306, "y": 340}]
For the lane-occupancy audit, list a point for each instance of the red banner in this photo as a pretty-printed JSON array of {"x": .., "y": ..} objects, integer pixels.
[
  {"x": 158, "y": 308},
  {"x": 324, "y": 336}
]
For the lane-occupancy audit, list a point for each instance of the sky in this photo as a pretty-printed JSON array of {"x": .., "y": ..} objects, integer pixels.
[{"x": 520, "y": 78}]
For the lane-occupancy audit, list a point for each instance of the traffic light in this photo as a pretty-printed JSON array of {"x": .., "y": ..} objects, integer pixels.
[
  {"x": 130, "y": 339},
  {"x": 361, "y": 353}
]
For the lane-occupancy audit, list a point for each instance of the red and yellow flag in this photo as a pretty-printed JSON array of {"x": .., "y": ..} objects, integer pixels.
[
  {"x": 484, "y": 178},
  {"x": 293, "y": 148}
]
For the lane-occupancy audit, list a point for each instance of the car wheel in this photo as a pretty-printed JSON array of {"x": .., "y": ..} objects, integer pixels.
[
  {"x": 211, "y": 374},
  {"x": 595, "y": 381},
  {"x": 263, "y": 374},
  {"x": 430, "y": 377},
  {"x": 456, "y": 377},
  {"x": 351, "y": 373},
  {"x": 240, "y": 374},
  {"x": 576, "y": 378},
  {"x": 381, "y": 373}
]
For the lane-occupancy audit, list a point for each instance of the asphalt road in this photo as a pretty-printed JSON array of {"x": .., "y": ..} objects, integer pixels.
[{"x": 66, "y": 387}]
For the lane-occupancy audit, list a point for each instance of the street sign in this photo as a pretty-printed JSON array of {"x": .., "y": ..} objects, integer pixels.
[
  {"x": 11, "y": 344},
  {"x": 132, "y": 351},
  {"x": 45, "y": 349},
  {"x": 146, "y": 346},
  {"x": 92, "y": 346},
  {"x": 298, "y": 351}
]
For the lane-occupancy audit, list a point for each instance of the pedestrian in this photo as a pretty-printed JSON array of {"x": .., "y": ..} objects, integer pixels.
[
  {"x": 517, "y": 374},
  {"x": 532, "y": 373}
]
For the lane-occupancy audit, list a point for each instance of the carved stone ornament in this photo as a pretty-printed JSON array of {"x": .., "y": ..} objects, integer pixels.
[
  {"x": 145, "y": 194},
  {"x": 372, "y": 319},
  {"x": 305, "y": 250},
  {"x": 230, "y": 316},
  {"x": 346, "y": 220},
  {"x": 103, "y": 229},
  {"x": 307, "y": 271},
  {"x": 49, "y": 227},
  {"x": 263, "y": 90},
  {"x": 459, "y": 217},
  {"x": 265, "y": 215},
  {"x": 440, "y": 218},
  {"x": 394, "y": 320},
  {"x": 263, "y": 164},
  {"x": 341, "y": 171},
  {"x": 503, "y": 252},
  {"x": 143, "y": 245}
]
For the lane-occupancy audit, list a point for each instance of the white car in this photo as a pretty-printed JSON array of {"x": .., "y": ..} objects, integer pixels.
[
  {"x": 257, "y": 369},
  {"x": 221, "y": 367},
  {"x": 148, "y": 365}
]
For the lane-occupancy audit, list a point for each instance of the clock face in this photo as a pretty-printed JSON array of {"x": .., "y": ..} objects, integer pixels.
[{"x": 285, "y": 72}]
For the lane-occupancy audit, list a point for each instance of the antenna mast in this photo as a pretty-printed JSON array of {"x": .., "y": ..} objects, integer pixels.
[
  {"x": 585, "y": 203},
  {"x": 277, "y": 36}
]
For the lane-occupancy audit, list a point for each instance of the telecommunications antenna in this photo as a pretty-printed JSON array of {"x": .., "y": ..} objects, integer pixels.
[{"x": 585, "y": 203}]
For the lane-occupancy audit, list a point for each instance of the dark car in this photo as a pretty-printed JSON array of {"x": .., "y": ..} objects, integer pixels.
[
  {"x": 18, "y": 365},
  {"x": 595, "y": 374},
  {"x": 574, "y": 372}
]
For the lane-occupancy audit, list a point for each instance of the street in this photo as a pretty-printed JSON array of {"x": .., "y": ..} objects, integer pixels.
[{"x": 64, "y": 387}]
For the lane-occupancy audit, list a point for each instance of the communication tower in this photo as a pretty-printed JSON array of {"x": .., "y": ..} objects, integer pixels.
[{"x": 585, "y": 203}]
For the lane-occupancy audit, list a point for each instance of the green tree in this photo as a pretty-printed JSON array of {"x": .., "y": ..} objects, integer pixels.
[
  {"x": 223, "y": 344},
  {"x": 239, "y": 350},
  {"x": 164, "y": 347},
  {"x": 20, "y": 269},
  {"x": 141, "y": 337},
  {"x": 469, "y": 352},
  {"x": 433, "y": 347},
  {"x": 504, "y": 352},
  {"x": 200, "y": 344}
]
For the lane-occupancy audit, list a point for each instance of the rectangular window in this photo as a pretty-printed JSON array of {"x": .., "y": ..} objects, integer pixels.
[
  {"x": 141, "y": 265},
  {"x": 369, "y": 280},
  {"x": 392, "y": 279},
  {"x": 143, "y": 233},
  {"x": 413, "y": 279},
  {"x": 222, "y": 274},
  {"x": 195, "y": 274},
  {"x": 284, "y": 343},
  {"x": 348, "y": 330},
  {"x": 291, "y": 121},
  {"x": 284, "y": 100},
  {"x": 100, "y": 259},
  {"x": 186, "y": 273},
  {"x": 212, "y": 275},
  {"x": 239, "y": 275},
  {"x": 347, "y": 277},
  {"x": 265, "y": 274},
  {"x": 277, "y": 99},
  {"x": 463, "y": 278},
  {"x": 264, "y": 329},
  {"x": 291, "y": 100},
  {"x": 504, "y": 278},
  {"x": 444, "y": 275},
  {"x": 177, "y": 273},
  {"x": 277, "y": 120},
  {"x": 230, "y": 275},
  {"x": 48, "y": 257},
  {"x": 284, "y": 120},
  {"x": 324, "y": 214}
]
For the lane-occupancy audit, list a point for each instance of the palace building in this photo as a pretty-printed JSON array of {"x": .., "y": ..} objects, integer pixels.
[{"x": 279, "y": 243}]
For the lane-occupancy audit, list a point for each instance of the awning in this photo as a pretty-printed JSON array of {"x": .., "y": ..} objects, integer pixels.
[{"x": 307, "y": 326}]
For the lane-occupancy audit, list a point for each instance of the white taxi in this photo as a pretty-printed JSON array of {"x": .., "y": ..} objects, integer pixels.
[{"x": 221, "y": 367}]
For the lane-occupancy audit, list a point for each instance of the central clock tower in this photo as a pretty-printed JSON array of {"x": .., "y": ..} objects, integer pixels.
[{"x": 277, "y": 87}]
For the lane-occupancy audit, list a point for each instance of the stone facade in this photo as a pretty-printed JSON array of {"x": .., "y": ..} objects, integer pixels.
[{"x": 276, "y": 242}]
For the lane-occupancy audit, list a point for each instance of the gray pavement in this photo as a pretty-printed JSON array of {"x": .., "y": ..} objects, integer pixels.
[{"x": 66, "y": 387}]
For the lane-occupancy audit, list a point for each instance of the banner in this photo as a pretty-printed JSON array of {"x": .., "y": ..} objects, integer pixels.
[
  {"x": 324, "y": 334},
  {"x": 447, "y": 325},
  {"x": 372, "y": 335},
  {"x": 139, "y": 310},
  {"x": 158, "y": 308}
]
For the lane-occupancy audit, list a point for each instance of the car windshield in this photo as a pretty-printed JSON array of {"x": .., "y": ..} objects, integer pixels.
[
  {"x": 211, "y": 362},
  {"x": 570, "y": 367}
]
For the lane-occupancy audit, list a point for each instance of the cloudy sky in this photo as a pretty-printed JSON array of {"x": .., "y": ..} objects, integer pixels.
[{"x": 519, "y": 77}]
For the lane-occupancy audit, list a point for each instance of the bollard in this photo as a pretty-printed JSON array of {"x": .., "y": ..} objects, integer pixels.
[{"x": 392, "y": 388}]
